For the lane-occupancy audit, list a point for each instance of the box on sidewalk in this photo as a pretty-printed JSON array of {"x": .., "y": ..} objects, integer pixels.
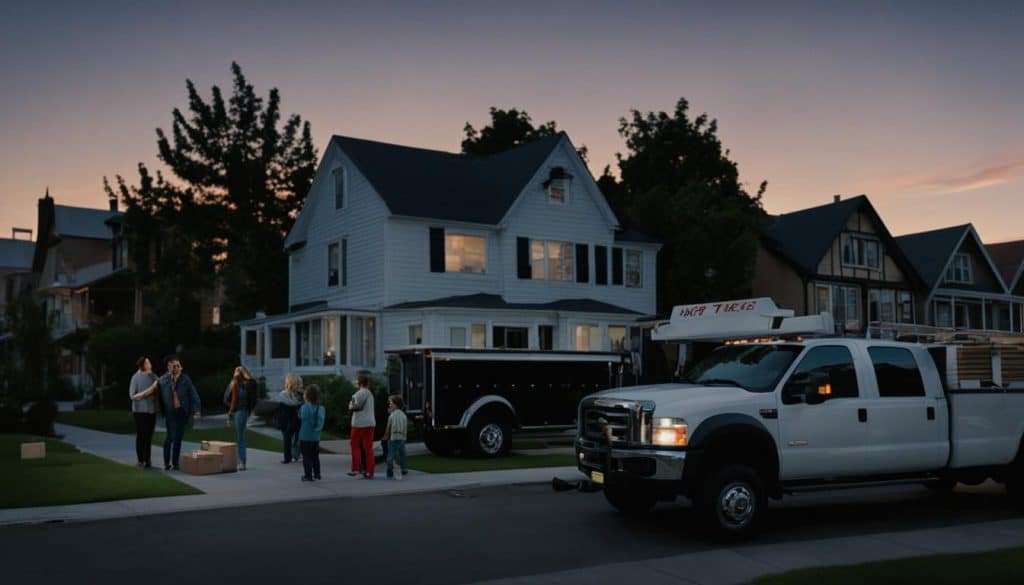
[
  {"x": 201, "y": 463},
  {"x": 228, "y": 452},
  {"x": 33, "y": 450}
]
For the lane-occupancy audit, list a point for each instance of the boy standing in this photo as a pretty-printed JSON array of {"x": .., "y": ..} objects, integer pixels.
[{"x": 395, "y": 434}]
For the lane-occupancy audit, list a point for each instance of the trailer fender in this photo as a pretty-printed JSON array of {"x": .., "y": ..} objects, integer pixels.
[{"x": 482, "y": 402}]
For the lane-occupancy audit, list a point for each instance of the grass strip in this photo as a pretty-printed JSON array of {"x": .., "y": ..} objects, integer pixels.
[
  {"x": 993, "y": 567},
  {"x": 430, "y": 463},
  {"x": 68, "y": 476},
  {"x": 108, "y": 421}
]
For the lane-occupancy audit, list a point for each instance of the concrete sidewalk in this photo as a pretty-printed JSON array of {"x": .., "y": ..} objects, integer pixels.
[
  {"x": 266, "y": 481},
  {"x": 743, "y": 564}
]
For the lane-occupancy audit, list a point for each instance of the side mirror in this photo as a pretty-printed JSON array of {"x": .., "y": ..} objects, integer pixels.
[{"x": 810, "y": 388}]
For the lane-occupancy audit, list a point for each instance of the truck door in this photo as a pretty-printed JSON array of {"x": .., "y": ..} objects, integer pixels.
[
  {"x": 908, "y": 428},
  {"x": 820, "y": 427}
]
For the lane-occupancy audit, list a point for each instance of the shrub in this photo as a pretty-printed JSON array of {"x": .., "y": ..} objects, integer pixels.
[
  {"x": 10, "y": 418},
  {"x": 118, "y": 348},
  {"x": 336, "y": 393},
  {"x": 40, "y": 416}
]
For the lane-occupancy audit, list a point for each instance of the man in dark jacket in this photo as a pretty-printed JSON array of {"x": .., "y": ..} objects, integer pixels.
[{"x": 179, "y": 401}]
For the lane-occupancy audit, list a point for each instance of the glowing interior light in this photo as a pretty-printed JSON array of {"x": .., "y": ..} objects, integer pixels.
[{"x": 825, "y": 389}]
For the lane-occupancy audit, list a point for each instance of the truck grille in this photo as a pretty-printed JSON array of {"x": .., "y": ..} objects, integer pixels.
[{"x": 624, "y": 419}]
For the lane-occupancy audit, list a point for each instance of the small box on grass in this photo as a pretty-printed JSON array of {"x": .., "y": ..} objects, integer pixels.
[
  {"x": 33, "y": 450},
  {"x": 227, "y": 450},
  {"x": 201, "y": 463}
]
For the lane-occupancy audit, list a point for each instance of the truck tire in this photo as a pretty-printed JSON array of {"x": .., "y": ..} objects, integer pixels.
[
  {"x": 730, "y": 501},
  {"x": 1015, "y": 484},
  {"x": 443, "y": 443},
  {"x": 489, "y": 433},
  {"x": 630, "y": 501}
]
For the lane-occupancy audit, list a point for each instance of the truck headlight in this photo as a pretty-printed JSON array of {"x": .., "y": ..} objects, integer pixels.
[{"x": 670, "y": 432}]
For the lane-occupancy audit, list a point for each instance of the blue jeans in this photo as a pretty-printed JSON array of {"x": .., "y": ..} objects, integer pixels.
[
  {"x": 393, "y": 448},
  {"x": 241, "y": 416},
  {"x": 176, "y": 423},
  {"x": 290, "y": 444}
]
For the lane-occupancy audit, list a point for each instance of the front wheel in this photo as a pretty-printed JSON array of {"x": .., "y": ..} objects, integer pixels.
[
  {"x": 731, "y": 502},
  {"x": 631, "y": 501}
]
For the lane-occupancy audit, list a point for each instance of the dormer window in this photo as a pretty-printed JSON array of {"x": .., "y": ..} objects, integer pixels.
[
  {"x": 557, "y": 186},
  {"x": 959, "y": 270},
  {"x": 339, "y": 187}
]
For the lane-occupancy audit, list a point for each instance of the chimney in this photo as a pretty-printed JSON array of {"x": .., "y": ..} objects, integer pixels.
[
  {"x": 113, "y": 204},
  {"x": 836, "y": 198}
]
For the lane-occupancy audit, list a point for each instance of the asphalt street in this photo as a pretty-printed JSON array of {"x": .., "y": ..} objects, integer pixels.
[{"x": 443, "y": 537}]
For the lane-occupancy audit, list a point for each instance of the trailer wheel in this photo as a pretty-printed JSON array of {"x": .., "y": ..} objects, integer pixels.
[
  {"x": 443, "y": 443},
  {"x": 731, "y": 501},
  {"x": 630, "y": 501},
  {"x": 489, "y": 433}
]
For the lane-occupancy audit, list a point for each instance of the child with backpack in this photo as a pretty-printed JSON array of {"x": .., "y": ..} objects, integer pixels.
[{"x": 311, "y": 416}]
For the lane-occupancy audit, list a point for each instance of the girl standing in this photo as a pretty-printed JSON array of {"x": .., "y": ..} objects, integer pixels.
[
  {"x": 243, "y": 398},
  {"x": 312, "y": 416}
]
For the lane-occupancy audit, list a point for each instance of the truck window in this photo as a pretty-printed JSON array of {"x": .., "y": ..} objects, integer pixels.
[
  {"x": 753, "y": 367},
  {"x": 835, "y": 362},
  {"x": 896, "y": 372}
]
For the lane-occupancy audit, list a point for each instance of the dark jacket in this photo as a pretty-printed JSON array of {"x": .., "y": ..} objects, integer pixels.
[{"x": 187, "y": 395}]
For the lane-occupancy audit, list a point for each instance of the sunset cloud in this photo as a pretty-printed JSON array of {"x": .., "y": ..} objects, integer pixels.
[{"x": 1005, "y": 168}]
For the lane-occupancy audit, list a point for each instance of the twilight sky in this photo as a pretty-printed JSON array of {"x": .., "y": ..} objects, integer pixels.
[{"x": 920, "y": 105}]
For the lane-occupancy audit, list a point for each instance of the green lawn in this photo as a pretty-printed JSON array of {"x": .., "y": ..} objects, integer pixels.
[
  {"x": 996, "y": 567},
  {"x": 253, "y": 440},
  {"x": 434, "y": 464},
  {"x": 68, "y": 476},
  {"x": 108, "y": 421}
]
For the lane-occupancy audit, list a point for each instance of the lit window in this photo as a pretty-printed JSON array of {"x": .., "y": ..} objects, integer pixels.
[
  {"x": 960, "y": 270},
  {"x": 465, "y": 253},
  {"x": 634, "y": 268},
  {"x": 556, "y": 191},
  {"x": 588, "y": 338},
  {"x": 617, "y": 337},
  {"x": 215, "y": 315},
  {"x": 478, "y": 339},
  {"x": 552, "y": 260}
]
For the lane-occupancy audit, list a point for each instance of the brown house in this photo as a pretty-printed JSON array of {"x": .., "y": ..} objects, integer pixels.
[
  {"x": 839, "y": 258},
  {"x": 1009, "y": 260}
]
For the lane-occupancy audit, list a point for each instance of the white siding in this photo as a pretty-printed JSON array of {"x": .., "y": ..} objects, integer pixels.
[
  {"x": 363, "y": 222},
  {"x": 580, "y": 221}
]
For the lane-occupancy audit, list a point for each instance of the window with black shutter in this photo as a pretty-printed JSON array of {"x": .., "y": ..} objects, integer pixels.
[
  {"x": 344, "y": 262},
  {"x": 523, "y": 257},
  {"x": 437, "y": 249},
  {"x": 600, "y": 264},
  {"x": 582, "y": 263},
  {"x": 616, "y": 265}
]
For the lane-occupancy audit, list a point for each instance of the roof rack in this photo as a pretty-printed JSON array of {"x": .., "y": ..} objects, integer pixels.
[{"x": 933, "y": 334}]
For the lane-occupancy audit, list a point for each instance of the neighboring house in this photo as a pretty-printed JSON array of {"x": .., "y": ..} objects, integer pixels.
[
  {"x": 963, "y": 287},
  {"x": 1009, "y": 260},
  {"x": 81, "y": 258},
  {"x": 15, "y": 269},
  {"x": 838, "y": 258},
  {"x": 398, "y": 246}
]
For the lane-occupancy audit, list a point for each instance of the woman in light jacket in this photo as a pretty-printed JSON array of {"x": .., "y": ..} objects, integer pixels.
[
  {"x": 288, "y": 416},
  {"x": 142, "y": 390}
]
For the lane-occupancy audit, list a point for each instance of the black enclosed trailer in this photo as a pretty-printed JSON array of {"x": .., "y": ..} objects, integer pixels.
[{"x": 473, "y": 398}]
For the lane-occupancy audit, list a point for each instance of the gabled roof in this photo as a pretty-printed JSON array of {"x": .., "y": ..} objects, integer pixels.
[
  {"x": 1009, "y": 260},
  {"x": 488, "y": 301},
  {"x": 803, "y": 237},
  {"x": 16, "y": 254},
  {"x": 931, "y": 252},
  {"x": 416, "y": 182},
  {"x": 82, "y": 222}
]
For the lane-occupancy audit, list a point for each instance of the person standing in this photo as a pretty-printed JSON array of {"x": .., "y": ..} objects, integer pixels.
[
  {"x": 179, "y": 401},
  {"x": 395, "y": 434},
  {"x": 243, "y": 398},
  {"x": 363, "y": 423},
  {"x": 288, "y": 416},
  {"x": 141, "y": 389},
  {"x": 312, "y": 416}
]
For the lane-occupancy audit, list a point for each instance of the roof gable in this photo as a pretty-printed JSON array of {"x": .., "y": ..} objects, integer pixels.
[
  {"x": 82, "y": 222},
  {"x": 1009, "y": 260},
  {"x": 932, "y": 252},
  {"x": 803, "y": 237},
  {"x": 416, "y": 182}
]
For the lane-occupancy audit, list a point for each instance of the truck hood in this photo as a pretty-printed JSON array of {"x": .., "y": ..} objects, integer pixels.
[{"x": 672, "y": 398}]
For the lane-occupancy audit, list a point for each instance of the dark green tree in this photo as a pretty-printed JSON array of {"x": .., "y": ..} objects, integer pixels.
[
  {"x": 238, "y": 156},
  {"x": 678, "y": 184},
  {"x": 31, "y": 368},
  {"x": 508, "y": 128}
]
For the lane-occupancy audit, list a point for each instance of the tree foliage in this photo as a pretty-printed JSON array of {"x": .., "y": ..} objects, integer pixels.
[
  {"x": 679, "y": 185},
  {"x": 240, "y": 173},
  {"x": 31, "y": 368},
  {"x": 508, "y": 129}
]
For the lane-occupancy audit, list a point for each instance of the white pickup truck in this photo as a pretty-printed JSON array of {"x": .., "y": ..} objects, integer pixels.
[{"x": 761, "y": 418}]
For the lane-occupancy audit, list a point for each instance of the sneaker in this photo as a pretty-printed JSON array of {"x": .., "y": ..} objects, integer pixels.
[
  {"x": 176, "y": 468},
  {"x": 286, "y": 461},
  {"x": 399, "y": 477},
  {"x": 317, "y": 477},
  {"x": 405, "y": 472},
  {"x": 391, "y": 476},
  {"x": 167, "y": 466},
  {"x": 304, "y": 478},
  {"x": 352, "y": 473},
  {"x": 147, "y": 466},
  {"x": 365, "y": 476},
  {"x": 241, "y": 467}
]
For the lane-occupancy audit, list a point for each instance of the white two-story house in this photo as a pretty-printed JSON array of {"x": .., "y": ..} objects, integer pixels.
[{"x": 398, "y": 246}]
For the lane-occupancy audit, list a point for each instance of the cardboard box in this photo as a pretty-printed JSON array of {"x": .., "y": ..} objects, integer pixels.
[
  {"x": 201, "y": 463},
  {"x": 228, "y": 452},
  {"x": 33, "y": 450}
]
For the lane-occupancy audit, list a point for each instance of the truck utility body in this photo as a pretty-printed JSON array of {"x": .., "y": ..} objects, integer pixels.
[
  {"x": 473, "y": 398},
  {"x": 760, "y": 418}
]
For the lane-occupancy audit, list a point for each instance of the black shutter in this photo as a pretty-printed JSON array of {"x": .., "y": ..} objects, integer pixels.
[
  {"x": 616, "y": 265},
  {"x": 582, "y": 263},
  {"x": 344, "y": 262},
  {"x": 600, "y": 264},
  {"x": 437, "y": 249},
  {"x": 523, "y": 257}
]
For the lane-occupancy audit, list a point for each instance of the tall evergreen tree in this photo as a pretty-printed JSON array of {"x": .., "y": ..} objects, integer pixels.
[{"x": 679, "y": 185}]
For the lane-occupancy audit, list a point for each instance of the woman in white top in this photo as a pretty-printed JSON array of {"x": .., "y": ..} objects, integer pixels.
[{"x": 142, "y": 389}]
